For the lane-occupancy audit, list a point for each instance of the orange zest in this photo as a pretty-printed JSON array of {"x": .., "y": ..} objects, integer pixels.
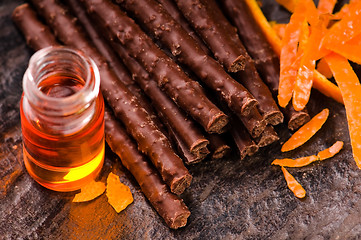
[
  {"x": 298, "y": 162},
  {"x": 265, "y": 26},
  {"x": 290, "y": 5},
  {"x": 279, "y": 28},
  {"x": 324, "y": 69},
  {"x": 90, "y": 191},
  {"x": 326, "y": 6},
  {"x": 326, "y": 87},
  {"x": 331, "y": 151},
  {"x": 350, "y": 49},
  {"x": 320, "y": 82},
  {"x": 303, "y": 134},
  {"x": 346, "y": 29},
  {"x": 288, "y": 59},
  {"x": 119, "y": 195},
  {"x": 304, "y": 78},
  {"x": 293, "y": 185},
  {"x": 350, "y": 88}
]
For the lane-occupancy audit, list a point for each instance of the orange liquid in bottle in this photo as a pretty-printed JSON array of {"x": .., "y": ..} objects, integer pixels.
[{"x": 61, "y": 160}]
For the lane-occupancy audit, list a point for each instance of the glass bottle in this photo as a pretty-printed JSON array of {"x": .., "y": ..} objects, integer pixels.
[{"x": 62, "y": 119}]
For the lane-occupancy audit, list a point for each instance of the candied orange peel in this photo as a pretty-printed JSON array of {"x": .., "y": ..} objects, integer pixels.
[
  {"x": 90, "y": 191},
  {"x": 331, "y": 151},
  {"x": 304, "y": 133},
  {"x": 293, "y": 185},
  {"x": 351, "y": 92},
  {"x": 320, "y": 82},
  {"x": 298, "y": 162},
  {"x": 119, "y": 195}
]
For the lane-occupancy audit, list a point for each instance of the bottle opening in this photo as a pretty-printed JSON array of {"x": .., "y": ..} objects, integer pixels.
[
  {"x": 61, "y": 86},
  {"x": 61, "y": 80}
]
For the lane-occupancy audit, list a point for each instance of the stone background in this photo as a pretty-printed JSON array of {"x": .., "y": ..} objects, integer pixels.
[{"x": 229, "y": 199}]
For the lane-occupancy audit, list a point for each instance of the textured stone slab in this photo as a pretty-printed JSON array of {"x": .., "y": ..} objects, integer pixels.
[{"x": 229, "y": 199}]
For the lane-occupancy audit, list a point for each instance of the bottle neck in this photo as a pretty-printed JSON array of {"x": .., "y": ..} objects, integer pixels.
[{"x": 60, "y": 88}]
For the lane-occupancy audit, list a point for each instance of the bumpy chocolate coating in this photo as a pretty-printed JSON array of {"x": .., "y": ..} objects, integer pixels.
[
  {"x": 151, "y": 141},
  {"x": 187, "y": 93},
  {"x": 169, "y": 206}
]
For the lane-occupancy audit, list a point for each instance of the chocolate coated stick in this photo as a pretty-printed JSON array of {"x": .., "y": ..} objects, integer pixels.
[
  {"x": 169, "y": 206},
  {"x": 268, "y": 137},
  {"x": 204, "y": 20},
  {"x": 218, "y": 146},
  {"x": 190, "y": 135},
  {"x": 112, "y": 59},
  {"x": 172, "y": 35},
  {"x": 151, "y": 141},
  {"x": 243, "y": 141},
  {"x": 188, "y": 94},
  {"x": 222, "y": 36},
  {"x": 37, "y": 34},
  {"x": 266, "y": 61},
  {"x": 173, "y": 10}
]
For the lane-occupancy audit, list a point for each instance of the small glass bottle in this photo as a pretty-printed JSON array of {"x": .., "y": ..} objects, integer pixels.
[{"x": 62, "y": 119}]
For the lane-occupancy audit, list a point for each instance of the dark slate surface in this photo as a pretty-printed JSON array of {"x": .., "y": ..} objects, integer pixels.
[{"x": 229, "y": 199}]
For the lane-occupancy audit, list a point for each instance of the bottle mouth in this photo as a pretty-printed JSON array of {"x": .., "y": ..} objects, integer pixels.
[{"x": 60, "y": 62}]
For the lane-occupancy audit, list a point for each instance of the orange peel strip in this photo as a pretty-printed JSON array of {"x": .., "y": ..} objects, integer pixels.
[
  {"x": 349, "y": 50},
  {"x": 350, "y": 88},
  {"x": 90, "y": 191},
  {"x": 326, "y": 6},
  {"x": 303, "y": 134},
  {"x": 294, "y": 33},
  {"x": 320, "y": 82},
  {"x": 265, "y": 26},
  {"x": 347, "y": 28},
  {"x": 324, "y": 69},
  {"x": 119, "y": 195},
  {"x": 290, "y": 5},
  {"x": 331, "y": 151},
  {"x": 326, "y": 87},
  {"x": 298, "y": 162},
  {"x": 293, "y": 185},
  {"x": 279, "y": 28}
]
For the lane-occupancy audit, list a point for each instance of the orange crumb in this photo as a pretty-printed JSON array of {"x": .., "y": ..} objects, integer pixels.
[
  {"x": 119, "y": 195},
  {"x": 90, "y": 191},
  {"x": 293, "y": 185}
]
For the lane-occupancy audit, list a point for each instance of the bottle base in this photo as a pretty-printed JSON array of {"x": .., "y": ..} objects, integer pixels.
[{"x": 64, "y": 179}]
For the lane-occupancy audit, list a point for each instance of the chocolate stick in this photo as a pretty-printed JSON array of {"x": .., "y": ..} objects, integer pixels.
[
  {"x": 268, "y": 137},
  {"x": 204, "y": 20},
  {"x": 183, "y": 150},
  {"x": 169, "y": 206},
  {"x": 207, "y": 12},
  {"x": 112, "y": 59},
  {"x": 173, "y": 10},
  {"x": 151, "y": 141},
  {"x": 187, "y": 93},
  {"x": 243, "y": 141},
  {"x": 185, "y": 128},
  {"x": 266, "y": 61},
  {"x": 218, "y": 147},
  {"x": 172, "y": 35},
  {"x": 37, "y": 34}
]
